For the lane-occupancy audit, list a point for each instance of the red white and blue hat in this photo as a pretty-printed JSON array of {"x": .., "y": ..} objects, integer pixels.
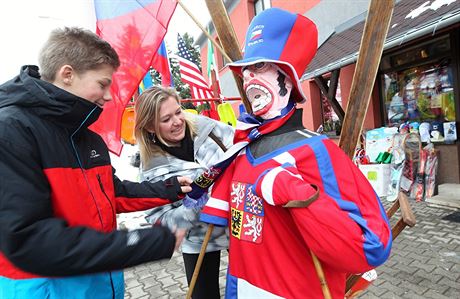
[{"x": 287, "y": 39}]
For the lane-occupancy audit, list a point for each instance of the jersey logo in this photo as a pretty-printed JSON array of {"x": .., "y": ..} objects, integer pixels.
[{"x": 246, "y": 213}]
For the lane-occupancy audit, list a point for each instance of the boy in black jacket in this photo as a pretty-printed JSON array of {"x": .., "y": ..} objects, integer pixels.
[{"x": 58, "y": 193}]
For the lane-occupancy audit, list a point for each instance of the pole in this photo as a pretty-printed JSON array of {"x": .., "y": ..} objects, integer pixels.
[
  {"x": 199, "y": 261},
  {"x": 370, "y": 51},
  {"x": 229, "y": 41},
  {"x": 204, "y": 30}
]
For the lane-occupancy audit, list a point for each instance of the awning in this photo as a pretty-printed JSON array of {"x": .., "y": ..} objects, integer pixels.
[{"x": 411, "y": 19}]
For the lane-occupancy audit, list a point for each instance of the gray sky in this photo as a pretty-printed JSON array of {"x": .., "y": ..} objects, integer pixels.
[{"x": 25, "y": 25}]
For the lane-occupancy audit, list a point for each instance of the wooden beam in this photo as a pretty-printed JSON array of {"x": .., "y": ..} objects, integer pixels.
[
  {"x": 205, "y": 32},
  {"x": 370, "y": 52},
  {"x": 228, "y": 40},
  {"x": 330, "y": 91}
]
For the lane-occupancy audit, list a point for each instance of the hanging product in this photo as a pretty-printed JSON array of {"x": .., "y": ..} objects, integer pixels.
[
  {"x": 431, "y": 168},
  {"x": 412, "y": 149},
  {"x": 419, "y": 187},
  {"x": 397, "y": 165}
]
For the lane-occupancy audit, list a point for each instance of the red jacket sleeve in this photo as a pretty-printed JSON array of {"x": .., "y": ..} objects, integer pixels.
[{"x": 347, "y": 226}]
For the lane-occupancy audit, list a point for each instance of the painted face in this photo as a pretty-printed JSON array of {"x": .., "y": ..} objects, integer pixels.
[
  {"x": 268, "y": 89},
  {"x": 171, "y": 121},
  {"x": 92, "y": 85}
]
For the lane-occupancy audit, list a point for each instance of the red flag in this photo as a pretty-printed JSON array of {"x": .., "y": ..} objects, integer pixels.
[{"x": 135, "y": 29}]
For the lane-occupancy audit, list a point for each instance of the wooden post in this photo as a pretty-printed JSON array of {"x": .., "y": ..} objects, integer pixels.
[
  {"x": 228, "y": 40},
  {"x": 370, "y": 52},
  {"x": 205, "y": 32}
]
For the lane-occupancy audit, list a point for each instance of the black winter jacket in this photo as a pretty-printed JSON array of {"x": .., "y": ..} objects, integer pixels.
[{"x": 58, "y": 192}]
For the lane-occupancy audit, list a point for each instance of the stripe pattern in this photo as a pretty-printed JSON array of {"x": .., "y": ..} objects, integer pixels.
[{"x": 191, "y": 74}]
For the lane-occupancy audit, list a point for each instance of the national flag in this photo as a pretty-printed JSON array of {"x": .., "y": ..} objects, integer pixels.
[
  {"x": 146, "y": 82},
  {"x": 135, "y": 29},
  {"x": 190, "y": 73},
  {"x": 212, "y": 67},
  {"x": 256, "y": 34},
  {"x": 160, "y": 63}
]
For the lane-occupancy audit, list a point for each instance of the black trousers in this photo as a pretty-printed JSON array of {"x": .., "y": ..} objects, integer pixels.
[{"x": 207, "y": 284}]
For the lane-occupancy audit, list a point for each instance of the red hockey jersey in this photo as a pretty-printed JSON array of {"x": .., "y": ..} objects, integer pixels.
[{"x": 346, "y": 227}]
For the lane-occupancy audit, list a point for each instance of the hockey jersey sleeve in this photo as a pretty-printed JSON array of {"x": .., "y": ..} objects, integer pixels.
[{"x": 346, "y": 227}]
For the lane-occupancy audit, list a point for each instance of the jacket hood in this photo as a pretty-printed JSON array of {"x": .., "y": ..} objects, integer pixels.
[{"x": 47, "y": 100}]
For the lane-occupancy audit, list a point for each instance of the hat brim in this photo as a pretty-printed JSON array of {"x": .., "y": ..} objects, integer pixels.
[{"x": 237, "y": 67}]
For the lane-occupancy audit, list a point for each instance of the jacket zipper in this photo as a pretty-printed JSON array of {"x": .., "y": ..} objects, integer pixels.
[{"x": 107, "y": 198}]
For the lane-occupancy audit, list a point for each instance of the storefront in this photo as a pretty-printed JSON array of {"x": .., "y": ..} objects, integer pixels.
[
  {"x": 419, "y": 87},
  {"x": 417, "y": 84}
]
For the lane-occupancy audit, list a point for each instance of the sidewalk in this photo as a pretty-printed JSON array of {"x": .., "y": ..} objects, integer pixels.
[{"x": 424, "y": 263}]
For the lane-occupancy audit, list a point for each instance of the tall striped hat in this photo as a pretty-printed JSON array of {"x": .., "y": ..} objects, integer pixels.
[{"x": 281, "y": 37}]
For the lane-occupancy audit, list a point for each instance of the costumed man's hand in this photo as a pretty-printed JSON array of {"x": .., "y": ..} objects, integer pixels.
[
  {"x": 185, "y": 183},
  {"x": 283, "y": 185}
]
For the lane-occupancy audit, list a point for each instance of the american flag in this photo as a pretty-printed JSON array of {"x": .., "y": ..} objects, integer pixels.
[{"x": 191, "y": 74}]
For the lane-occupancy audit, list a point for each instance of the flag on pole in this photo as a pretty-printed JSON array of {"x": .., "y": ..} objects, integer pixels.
[
  {"x": 160, "y": 63},
  {"x": 135, "y": 29},
  {"x": 212, "y": 66},
  {"x": 146, "y": 82},
  {"x": 190, "y": 73}
]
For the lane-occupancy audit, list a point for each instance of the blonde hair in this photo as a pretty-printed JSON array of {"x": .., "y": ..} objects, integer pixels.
[{"x": 147, "y": 112}]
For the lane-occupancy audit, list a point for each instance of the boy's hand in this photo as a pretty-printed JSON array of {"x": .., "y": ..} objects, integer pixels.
[{"x": 185, "y": 183}]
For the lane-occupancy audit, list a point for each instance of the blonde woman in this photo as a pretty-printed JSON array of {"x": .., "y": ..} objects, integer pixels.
[{"x": 171, "y": 143}]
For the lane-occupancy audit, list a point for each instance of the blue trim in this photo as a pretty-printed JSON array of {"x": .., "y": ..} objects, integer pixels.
[
  {"x": 291, "y": 146},
  {"x": 81, "y": 287},
  {"x": 216, "y": 220},
  {"x": 253, "y": 187},
  {"x": 372, "y": 244},
  {"x": 113, "y": 9},
  {"x": 286, "y": 110},
  {"x": 75, "y": 132},
  {"x": 231, "y": 287}
]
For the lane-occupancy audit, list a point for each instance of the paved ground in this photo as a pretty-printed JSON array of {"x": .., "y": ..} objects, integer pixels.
[{"x": 425, "y": 263}]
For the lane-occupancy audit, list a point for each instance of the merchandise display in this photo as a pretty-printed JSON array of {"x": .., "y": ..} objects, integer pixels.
[{"x": 421, "y": 95}]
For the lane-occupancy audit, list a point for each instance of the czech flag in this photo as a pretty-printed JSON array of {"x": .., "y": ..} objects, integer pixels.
[{"x": 135, "y": 29}]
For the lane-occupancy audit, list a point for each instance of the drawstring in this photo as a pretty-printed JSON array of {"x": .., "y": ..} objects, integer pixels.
[
  {"x": 73, "y": 134},
  {"x": 81, "y": 165}
]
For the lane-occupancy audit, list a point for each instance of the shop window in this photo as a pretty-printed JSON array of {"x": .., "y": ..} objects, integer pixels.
[
  {"x": 417, "y": 84},
  {"x": 331, "y": 125},
  {"x": 261, "y": 5},
  {"x": 422, "y": 94}
]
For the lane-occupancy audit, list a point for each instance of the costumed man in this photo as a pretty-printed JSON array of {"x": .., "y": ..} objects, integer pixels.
[{"x": 289, "y": 190}]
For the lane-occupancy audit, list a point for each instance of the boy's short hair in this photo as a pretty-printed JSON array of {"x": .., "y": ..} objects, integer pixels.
[{"x": 77, "y": 47}]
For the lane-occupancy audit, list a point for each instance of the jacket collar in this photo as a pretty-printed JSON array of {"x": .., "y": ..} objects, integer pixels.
[{"x": 46, "y": 100}]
